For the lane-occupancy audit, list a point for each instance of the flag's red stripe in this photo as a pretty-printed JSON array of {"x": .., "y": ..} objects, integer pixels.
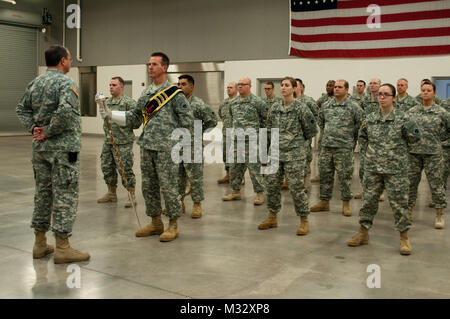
[
  {"x": 365, "y": 3},
  {"x": 385, "y": 18},
  {"x": 368, "y": 36},
  {"x": 373, "y": 53}
]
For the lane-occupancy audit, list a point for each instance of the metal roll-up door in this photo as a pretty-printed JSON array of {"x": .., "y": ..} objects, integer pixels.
[{"x": 18, "y": 66}]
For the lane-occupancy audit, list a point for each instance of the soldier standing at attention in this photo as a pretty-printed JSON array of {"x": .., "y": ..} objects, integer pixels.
[
  {"x": 404, "y": 101},
  {"x": 340, "y": 120},
  {"x": 50, "y": 110},
  {"x": 325, "y": 98},
  {"x": 194, "y": 171},
  {"x": 296, "y": 125},
  {"x": 225, "y": 116},
  {"x": 360, "y": 91},
  {"x": 124, "y": 138},
  {"x": 436, "y": 98},
  {"x": 270, "y": 98},
  {"x": 385, "y": 136},
  {"x": 369, "y": 103},
  {"x": 248, "y": 111},
  {"x": 426, "y": 154},
  {"x": 162, "y": 108}
]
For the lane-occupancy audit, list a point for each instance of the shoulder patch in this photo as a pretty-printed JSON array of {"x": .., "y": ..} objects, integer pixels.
[
  {"x": 74, "y": 89},
  {"x": 363, "y": 123}
]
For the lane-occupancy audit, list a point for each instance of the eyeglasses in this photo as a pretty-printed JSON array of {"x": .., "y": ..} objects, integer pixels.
[
  {"x": 383, "y": 95},
  {"x": 242, "y": 84}
]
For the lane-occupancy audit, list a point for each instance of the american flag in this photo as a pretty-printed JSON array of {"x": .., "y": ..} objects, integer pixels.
[{"x": 366, "y": 29}]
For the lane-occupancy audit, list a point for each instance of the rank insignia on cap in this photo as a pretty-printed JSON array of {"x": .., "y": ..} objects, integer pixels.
[{"x": 74, "y": 89}]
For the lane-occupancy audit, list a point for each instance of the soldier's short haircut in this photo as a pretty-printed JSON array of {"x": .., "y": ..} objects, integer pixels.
[
  {"x": 189, "y": 78},
  {"x": 271, "y": 84},
  {"x": 345, "y": 83},
  {"x": 389, "y": 85},
  {"x": 119, "y": 78},
  {"x": 54, "y": 54},
  {"x": 164, "y": 58},
  {"x": 403, "y": 79},
  {"x": 362, "y": 82},
  {"x": 331, "y": 81},
  {"x": 429, "y": 83}
]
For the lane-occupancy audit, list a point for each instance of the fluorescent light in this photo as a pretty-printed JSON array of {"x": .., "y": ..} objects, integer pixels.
[{"x": 9, "y": 1}]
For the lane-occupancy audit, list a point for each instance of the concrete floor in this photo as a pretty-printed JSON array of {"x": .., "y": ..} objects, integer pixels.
[{"x": 221, "y": 255}]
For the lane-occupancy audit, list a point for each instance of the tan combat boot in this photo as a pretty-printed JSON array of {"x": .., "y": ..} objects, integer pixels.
[
  {"x": 41, "y": 248},
  {"x": 439, "y": 221},
  {"x": 361, "y": 238},
  {"x": 410, "y": 213},
  {"x": 381, "y": 199},
  {"x": 234, "y": 195},
  {"x": 196, "y": 210},
  {"x": 259, "y": 200},
  {"x": 156, "y": 227},
  {"x": 405, "y": 246},
  {"x": 66, "y": 254},
  {"x": 303, "y": 229},
  {"x": 225, "y": 179},
  {"x": 171, "y": 232},
  {"x": 358, "y": 195},
  {"x": 133, "y": 198},
  {"x": 110, "y": 196},
  {"x": 322, "y": 206},
  {"x": 269, "y": 222},
  {"x": 346, "y": 210},
  {"x": 315, "y": 179}
]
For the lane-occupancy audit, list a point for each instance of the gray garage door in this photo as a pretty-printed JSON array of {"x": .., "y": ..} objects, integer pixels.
[{"x": 18, "y": 66}]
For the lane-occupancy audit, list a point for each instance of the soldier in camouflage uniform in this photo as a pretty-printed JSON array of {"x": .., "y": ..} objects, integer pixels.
[
  {"x": 434, "y": 123},
  {"x": 385, "y": 136},
  {"x": 159, "y": 171},
  {"x": 225, "y": 116},
  {"x": 404, "y": 101},
  {"x": 50, "y": 110},
  {"x": 360, "y": 91},
  {"x": 124, "y": 138},
  {"x": 296, "y": 126},
  {"x": 194, "y": 171},
  {"x": 311, "y": 104},
  {"x": 446, "y": 149},
  {"x": 325, "y": 98},
  {"x": 247, "y": 112},
  {"x": 436, "y": 98},
  {"x": 340, "y": 121},
  {"x": 270, "y": 99},
  {"x": 369, "y": 103}
]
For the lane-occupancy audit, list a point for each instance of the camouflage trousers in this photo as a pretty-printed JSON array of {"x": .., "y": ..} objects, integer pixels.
[
  {"x": 237, "y": 171},
  {"x": 295, "y": 175},
  {"x": 397, "y": 186},
  {"x": 224, "y": 150},
  {"x": 361, "y": 168},
  {"x": 333, "y": 159},
  {"x": 110, "y": 164},
  {"x": 309, "y": 155},
  {"x": 446, "y": 168},
  {"x": 433, "y": 166},
  {"x": 56, "y": 193},
  {"x": 160, "y": 175},
  {"x": 193, "y": 172}
]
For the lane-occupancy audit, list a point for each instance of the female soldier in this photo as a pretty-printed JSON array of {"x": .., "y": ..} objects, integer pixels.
[
  {"x": 434, "y": 123},
  {"x": 385, "y": 136},
  {"x": 296, "y": 124}
]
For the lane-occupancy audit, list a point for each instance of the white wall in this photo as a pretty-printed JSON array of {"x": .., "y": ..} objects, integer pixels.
[{"x": 316, "y": 72}]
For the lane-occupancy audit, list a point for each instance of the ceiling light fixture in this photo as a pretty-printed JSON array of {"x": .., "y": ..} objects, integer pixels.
[{"x": 9, "y": 1}]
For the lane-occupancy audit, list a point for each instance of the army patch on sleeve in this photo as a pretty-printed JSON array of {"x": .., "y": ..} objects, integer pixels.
[
  {"x": 74, "y": 89},
  {"x": 363, "y": 123}
]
